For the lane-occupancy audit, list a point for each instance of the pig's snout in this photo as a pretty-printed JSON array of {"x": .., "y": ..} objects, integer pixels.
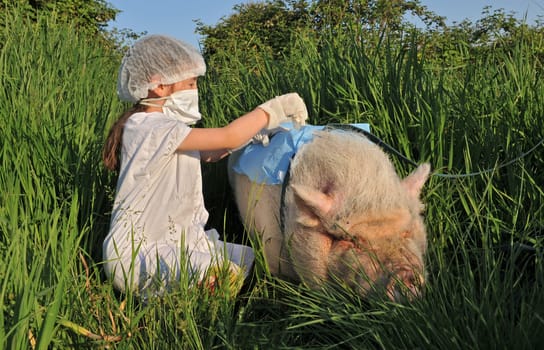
[
  {"x": 402, "y": 279},
  {"x": 406, "y": 283}
]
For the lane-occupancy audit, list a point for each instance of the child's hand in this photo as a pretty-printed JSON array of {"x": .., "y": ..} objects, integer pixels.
[
  {"x": 233, "y": 276},
  {"x": 288, "y": 107},
  {"x": 213, "y": 156}
]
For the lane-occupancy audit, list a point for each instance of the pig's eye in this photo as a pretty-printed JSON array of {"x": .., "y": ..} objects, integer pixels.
[
  {"x": 361, "y": 243},
  {"x": 355, "y": 241}
]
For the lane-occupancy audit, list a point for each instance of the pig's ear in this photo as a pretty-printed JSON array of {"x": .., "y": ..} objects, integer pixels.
[
  {"x": 414, "y": 182},
  {"x": 312, "y": 205}
]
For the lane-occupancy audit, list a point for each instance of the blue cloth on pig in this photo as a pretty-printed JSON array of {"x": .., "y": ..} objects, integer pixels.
[{"x": 269, "y": 164}]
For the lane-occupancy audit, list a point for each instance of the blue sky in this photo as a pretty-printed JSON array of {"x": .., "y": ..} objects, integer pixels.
[{"x": 176, "y": 17}]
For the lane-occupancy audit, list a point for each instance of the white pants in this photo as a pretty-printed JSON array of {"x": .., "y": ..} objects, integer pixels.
[{"x": 154, "y": 268}]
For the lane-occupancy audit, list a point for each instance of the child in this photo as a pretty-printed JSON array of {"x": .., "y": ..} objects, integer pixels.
[{"x": 158, "y": 217}]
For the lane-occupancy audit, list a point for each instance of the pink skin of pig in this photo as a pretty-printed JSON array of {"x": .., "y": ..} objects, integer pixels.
[{"x": 348, "y": 218}]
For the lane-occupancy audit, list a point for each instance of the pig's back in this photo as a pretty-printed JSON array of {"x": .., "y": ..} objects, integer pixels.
[{"x": 348, "y": 163}]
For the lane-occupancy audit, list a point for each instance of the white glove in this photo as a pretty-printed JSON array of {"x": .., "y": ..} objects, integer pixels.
[{"x": 288, "y": 107}]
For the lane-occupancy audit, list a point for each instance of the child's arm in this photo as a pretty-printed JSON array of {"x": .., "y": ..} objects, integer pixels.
[
  {"x": 213, "y": 156},
  {"x": 228, "y": 137},
  {"x": 269, "y": 114}
]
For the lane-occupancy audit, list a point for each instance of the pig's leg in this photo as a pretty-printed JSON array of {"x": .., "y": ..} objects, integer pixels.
[{"x": 259, "y": 207}]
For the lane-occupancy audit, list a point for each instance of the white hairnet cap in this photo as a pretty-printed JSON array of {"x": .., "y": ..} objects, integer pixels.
[{"x": 154, "y": 60}]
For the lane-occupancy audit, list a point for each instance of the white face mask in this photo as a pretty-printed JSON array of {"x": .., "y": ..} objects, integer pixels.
[{"x": 182, "y": 105}]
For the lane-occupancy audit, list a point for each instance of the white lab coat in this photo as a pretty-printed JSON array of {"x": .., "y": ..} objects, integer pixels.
[{"x": 157, "y": 224}]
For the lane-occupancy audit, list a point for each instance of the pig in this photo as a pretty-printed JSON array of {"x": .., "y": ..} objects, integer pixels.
[{"x": 345, "y": 217}]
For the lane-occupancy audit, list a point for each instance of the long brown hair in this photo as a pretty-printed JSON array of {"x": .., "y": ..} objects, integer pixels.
[{"x": 112, "y": 147}]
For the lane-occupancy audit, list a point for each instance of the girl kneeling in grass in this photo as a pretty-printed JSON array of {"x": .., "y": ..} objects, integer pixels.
[{"x": 158, "y": 218}]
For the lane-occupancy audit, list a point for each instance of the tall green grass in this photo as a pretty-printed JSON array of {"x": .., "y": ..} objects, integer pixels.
[
  {"x": 54, "y": 106},
  {"x": 485, "y": 231}
]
